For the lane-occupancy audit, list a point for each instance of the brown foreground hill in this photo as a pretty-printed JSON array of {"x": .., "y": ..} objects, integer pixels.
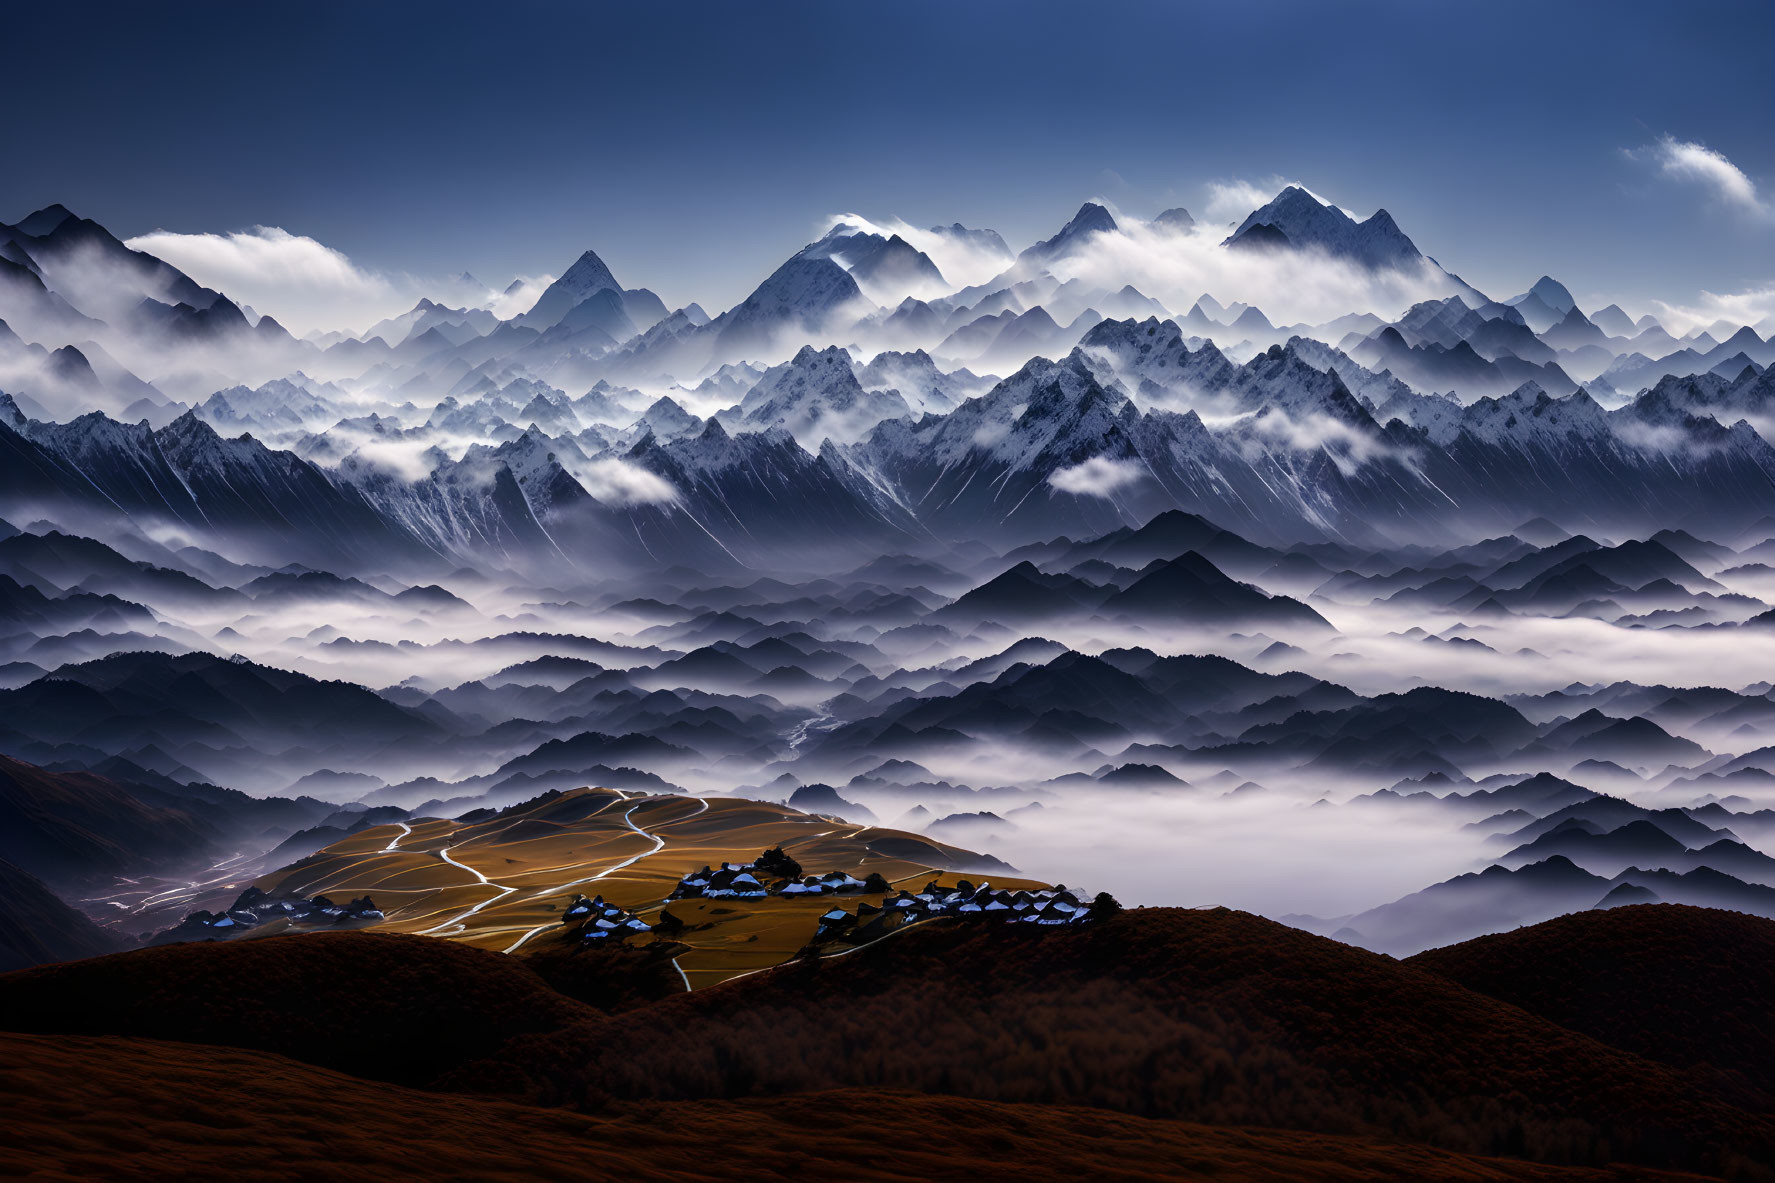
[
  {"x": 1686, "y": 986},
  {"x": 143, "y": 1110},
  {"x": 376, "y": 1005},
  {"x": 1213, "y": 1017}
]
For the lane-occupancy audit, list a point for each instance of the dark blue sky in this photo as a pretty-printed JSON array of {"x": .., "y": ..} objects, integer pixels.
[{"x": 695, "y": 145}]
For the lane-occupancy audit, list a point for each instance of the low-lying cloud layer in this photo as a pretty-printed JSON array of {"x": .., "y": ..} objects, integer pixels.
[
  {"x": 1177, "y": 267},
  {"x": 962, "y": 261},
  {"x": 309, "y": 286},
  {"x": 1753, "y": 306}
]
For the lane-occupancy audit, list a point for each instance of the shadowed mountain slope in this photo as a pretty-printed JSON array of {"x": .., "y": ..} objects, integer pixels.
[
  {"x": 1682, "y": 985},
  {"x": 69, "y": 825},
  {"x": 379, "y": 1005},
  {"x": 36, "y": 926}
]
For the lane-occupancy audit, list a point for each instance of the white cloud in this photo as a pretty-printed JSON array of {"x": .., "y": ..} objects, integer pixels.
[
  {"x": 1230, "y": 201},
  {"x": 1347, "y": 447},
  {"x": 307, "y": 285},
  {"x": 962, "y": 262},
  {"x": 405, "y": 458},
  {"x": 1176, "y": 267},
  {"x": 1097, "y": 477},
  {"x": 1296, "y": 286},
  {"x": 521, "y": 298},
  {"x": 617, "y": 482},
  {"x": 1754, "y": 307},
  {"x": 1685, "y": 160},
  {"x": 989, "y": 433},
  {"x": 1666, "y": 438},
  {"x": 303, "y": 283}
]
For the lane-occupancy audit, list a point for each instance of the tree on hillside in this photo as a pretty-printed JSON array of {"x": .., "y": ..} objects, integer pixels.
[{"x": 778, "y": 863}]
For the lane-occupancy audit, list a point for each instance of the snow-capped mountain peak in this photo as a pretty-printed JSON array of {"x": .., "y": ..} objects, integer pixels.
[
  {"x": 1092, "y": 219},
  {"x": 587, "y": 277},
  {"x": 1295, "y": 218},
  {"x": 815, "y": 396}
]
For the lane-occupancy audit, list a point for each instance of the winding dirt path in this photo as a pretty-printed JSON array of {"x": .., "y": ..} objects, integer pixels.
[{"x": 659, "y": 844}]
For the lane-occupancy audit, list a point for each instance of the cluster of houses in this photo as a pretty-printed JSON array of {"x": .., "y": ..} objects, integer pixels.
[
  {"x": 740, "y": 881},
  {"x": 602, "y": 919},
  {"x": 776, "y": 874},
  {"x": 734, "y": 881},
  {"x": 255, "y": 907},
  {"x": 1051, "y": 906}
]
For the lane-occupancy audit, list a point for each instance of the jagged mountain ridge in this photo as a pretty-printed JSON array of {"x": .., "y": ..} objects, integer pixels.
[{"x": 1078, "y": 446}]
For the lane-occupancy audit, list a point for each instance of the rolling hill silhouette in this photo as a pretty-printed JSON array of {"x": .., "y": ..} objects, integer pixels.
[
  {"x": 1670, "y": 982},
  {"x": 1202, "y": 1015},
  {"x": 1151, "y": 1018},
  {"x": 230, "y": 1113}
]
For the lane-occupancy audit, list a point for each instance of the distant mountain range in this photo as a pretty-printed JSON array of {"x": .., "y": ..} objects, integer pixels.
[
  {"x": 1079, "y": 446},
  {"x": 459, "y": 439},
  {"x": 1045, "y": 550}
]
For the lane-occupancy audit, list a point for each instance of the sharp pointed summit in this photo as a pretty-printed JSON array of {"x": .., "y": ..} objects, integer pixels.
[
  {"x": 1092, "y": 219},
  {"x": 1296, "y": 219},
  {"x": 586, "y": 278},
  {"x": 1550, "y": 293},
  {"x": 45, "y": 221}
]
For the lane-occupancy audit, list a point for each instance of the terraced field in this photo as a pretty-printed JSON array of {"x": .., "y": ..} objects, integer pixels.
[{"x": 502, "y": 882}]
